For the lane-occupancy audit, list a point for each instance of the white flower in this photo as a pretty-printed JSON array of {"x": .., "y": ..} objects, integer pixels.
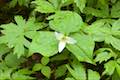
[{"x": 63, "y": 40}]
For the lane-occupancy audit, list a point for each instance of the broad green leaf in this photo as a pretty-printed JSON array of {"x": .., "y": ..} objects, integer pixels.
[
  {"x": 60, "y": 3},
  {"x": 101, "y": 8},
  {"x": 66, "y": 22},
  {"x": 12, "y": 3},
  {"x": 19, "y": 48},
  {"x": 60, "y": 71},
  {"x": 24, "y": 71},
  {"x": 80, "y": 4},
  {"x": 118, "y": 60},
  {"x": 20, "y": 2},
  {"x": 11, "y": 60},
  {"x": 6, "y": 75},
  {"x": 56, "y": 4},
  {"x": 109, "y": 67},
  {"x": 77, "y": 71},
  {"x": 96, "y": 12},
  {"x": 46, "y": 71},
  {"x": 97, "y": 30},
  {"x": 114, "y": 38},
  {"x": 66, "y": 2},
  {"x": 115, "y": 42},
  {"x": 30, "y": 34},
  {"x": 115, "y": 11},
  {"x": 44, "y": 6},
  {"x": 9, "y": 29},
  {"x": 23, "y": 2},
  {"x": 32, "y": 25},
  {"x": 3, "y": 49},
  {"x": 118, "y": 69},
  {"x": 37, "y": 67},
  {"x": 93, "y": 75},
  {"x": 83, "y": 49},
  {"x": 14, "y": 34},
  {"x": 45, "y": 60},
  {"x": 20, "y": 21},
  {"x": 116, "y": 25},
  {"x": 115, "y": 76},
  {"x": 116, "y": 28},
  {"x": 17, "y": 76},
  {"x": 44, "y": 43},
  {"x": 22, "y": 74},
  {"x": 103, "y": 54},
  {"x": 3, "y": 66}
]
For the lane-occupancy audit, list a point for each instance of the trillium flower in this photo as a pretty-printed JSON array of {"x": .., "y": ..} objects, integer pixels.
[{"x": 63, "y": 40}]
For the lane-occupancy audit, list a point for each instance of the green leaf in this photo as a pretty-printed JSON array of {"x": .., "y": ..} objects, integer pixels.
[
  {"x": 18, "y": 76},
  {"x": 11, "y": 60},
  {"x": 60, "y": 71},
  {"x": 83, "y": 49},
  {"x": 3, "y": 49},
  {"x": 60, "y": 3},
  {"x": 6, "y": 75},
  {"x": 23, "y": 2},
  {"x": 46, "y": 71},
  {"x": 116, "y": 25},
  {"x": 30, "y": 34},
  {"x": 12, "y": 3},
  {"x": 93, "y": 75},
  {"x": 32, "y": 25},
  {"x": 80, "y": 4},
  {"x": 66, "y": 22},
  {"x": 3, "y": 66},
  {"x": 24, "y": 71},
  {"x": 22, "y": 74},
  {"x": 103, "y": 54},
  {"x": 98, "y": 30},
  {"x": 20, "y": 21},
  {"x": 19, "y": 48},
  {"x": 118, "y": 60},
  {"x": 45, "y": 60},
  {"x": 14, "y": 34},
  {"x": 115, "y": 42},
  {"x": 46, "y": 8},
  {"x": 37, "y": 67},
  {"x": 115, "y": 11},
  {"x": 77, "y": 71},
  {"x": 100, "y": 10},
  {"x": 118, "y": 69},
  {"x": 95, "y": 12},
  {"x": 116, "y": 28},
  {"x": 56, "y": 4},
  {"x": 66, "y": 2},
  {"x": 44, "y": 43},
  {"x": 115, "y": 76},
  {"x": 109, "y": 67}
]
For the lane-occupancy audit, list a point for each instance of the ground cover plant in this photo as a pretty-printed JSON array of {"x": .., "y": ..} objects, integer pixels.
[{"x": 59, "y": 39}]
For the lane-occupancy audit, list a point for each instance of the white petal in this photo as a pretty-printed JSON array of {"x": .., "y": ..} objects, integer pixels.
[
  {"x": 70, "y": 40},
  {"x": 59, "y": 36},
  {"x": 61, "y": 46}
]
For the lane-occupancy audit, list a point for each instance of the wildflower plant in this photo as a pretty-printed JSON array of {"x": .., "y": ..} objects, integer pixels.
[{"x": 60, "y": 40}]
